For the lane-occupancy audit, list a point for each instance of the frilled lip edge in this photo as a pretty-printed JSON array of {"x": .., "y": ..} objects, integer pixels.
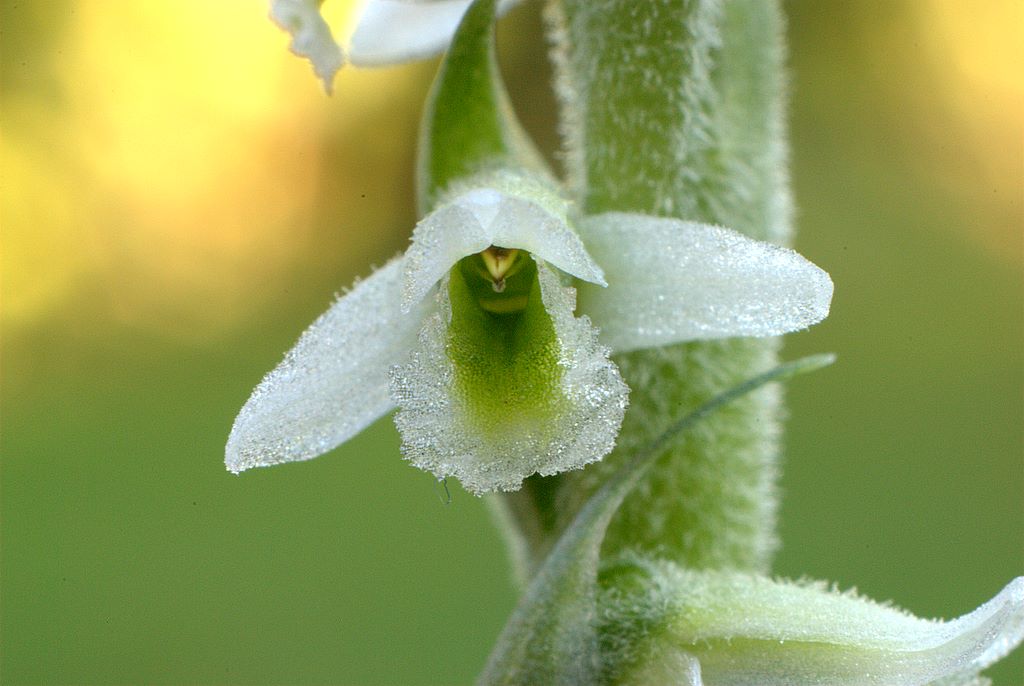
[{"x": 438, "y": 430}]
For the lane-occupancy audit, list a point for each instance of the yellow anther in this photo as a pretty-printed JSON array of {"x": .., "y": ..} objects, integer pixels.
[{"x": 498, "y": 262}]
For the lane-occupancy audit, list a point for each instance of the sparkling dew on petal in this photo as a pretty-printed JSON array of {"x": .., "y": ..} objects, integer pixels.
[
  {"x": 333, "y": 383},
  {"x": 591, "y": 381},
  {"x": 439, "y": 240},
  {"x": 672, "y": 281}
]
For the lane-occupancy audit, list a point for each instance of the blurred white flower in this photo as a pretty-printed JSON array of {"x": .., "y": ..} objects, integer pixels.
[
  {"x": 472, "y": 334},
  {"x": 387, "y": 32}
]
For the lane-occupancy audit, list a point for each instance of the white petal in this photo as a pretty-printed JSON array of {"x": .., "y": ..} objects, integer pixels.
[
  {"x": 394, "y": 31},
  {"x": 483, "y": 217},
  {"x": 311, "y": 36},
  {"x": 439, "y": 240},
  {"x": 333, "y": 383},
  {"x": 439, "y": 435},
  {"x": 526, "y": 225},
  {"x": 672, "y": 281},
  {"x": 754, "y": 631}
]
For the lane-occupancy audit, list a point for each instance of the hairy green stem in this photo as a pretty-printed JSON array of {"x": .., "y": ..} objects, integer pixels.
[{"x": 675, "y": 108}]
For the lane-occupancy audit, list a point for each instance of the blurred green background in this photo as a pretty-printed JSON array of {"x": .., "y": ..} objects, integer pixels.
[{"x": 180, "y": 201}]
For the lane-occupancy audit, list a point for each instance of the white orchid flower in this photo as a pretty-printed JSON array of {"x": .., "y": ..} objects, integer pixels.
[
  {"x": 472, "y": 335},
  {"x": 387, "y": 32}
]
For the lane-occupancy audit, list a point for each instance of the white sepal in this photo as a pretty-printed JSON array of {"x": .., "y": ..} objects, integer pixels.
[
  {"x": 311, "y": 36},
  {"x": 672, "y": 281},
  {"x": 333, "y": 383}
]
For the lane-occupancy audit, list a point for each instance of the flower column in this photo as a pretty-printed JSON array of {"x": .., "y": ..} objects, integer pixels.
[{"x": 674, "y": 108}]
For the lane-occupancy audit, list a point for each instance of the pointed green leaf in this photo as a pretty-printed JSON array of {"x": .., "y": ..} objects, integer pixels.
[{"x": 469, "y": 126}]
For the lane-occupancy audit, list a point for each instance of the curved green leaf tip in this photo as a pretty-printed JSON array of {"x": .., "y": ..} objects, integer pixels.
[{"x": 468, "y": 124}]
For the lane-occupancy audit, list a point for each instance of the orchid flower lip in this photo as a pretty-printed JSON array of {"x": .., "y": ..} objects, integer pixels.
[{"x": 558, "y": 407}]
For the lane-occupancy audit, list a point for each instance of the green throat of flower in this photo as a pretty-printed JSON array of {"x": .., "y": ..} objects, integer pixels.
[{"x": 502, "y": 343}]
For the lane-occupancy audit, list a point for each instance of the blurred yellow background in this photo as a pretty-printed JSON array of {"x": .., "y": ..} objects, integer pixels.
[{"x": 180, "y": 200}]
